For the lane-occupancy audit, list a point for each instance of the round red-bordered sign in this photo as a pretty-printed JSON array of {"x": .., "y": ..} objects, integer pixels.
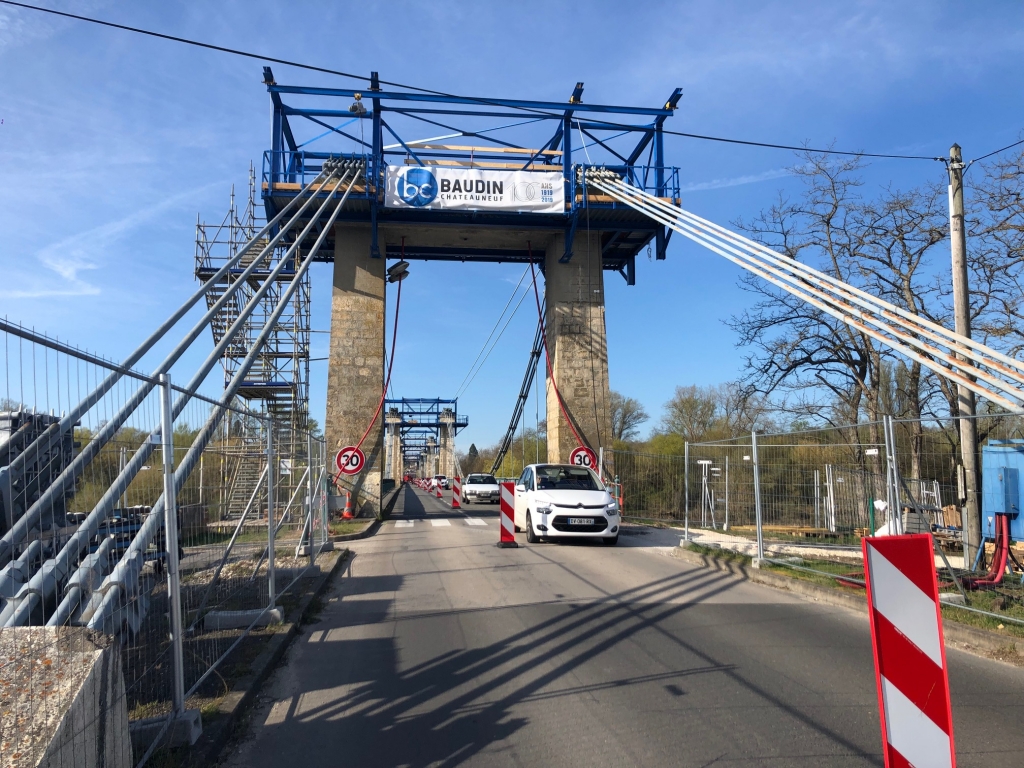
[
  {"x": 350, "y": 460},
  {"x": 583, "y": 457}
]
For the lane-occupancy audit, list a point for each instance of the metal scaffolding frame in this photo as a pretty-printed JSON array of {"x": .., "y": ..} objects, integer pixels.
[{"x": 279, "y": 378}]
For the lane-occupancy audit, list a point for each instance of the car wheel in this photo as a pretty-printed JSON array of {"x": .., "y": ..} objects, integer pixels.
[
  {"x": 611, "y": 541},
  {"x": 531, "y": 537}
]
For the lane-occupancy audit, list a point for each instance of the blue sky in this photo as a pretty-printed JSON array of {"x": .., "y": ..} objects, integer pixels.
[{"x": 111, "y": 143}]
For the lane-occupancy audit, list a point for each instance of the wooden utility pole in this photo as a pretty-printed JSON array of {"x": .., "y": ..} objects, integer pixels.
[{"x": 971, "y": 500}]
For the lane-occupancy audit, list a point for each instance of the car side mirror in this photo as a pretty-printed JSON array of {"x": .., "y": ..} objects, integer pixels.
[{"x": 521, "y": 488}]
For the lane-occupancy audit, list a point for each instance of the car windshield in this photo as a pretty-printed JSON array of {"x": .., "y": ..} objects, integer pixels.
[
  {"x": 556, "y": 478},
  {"x": 481, "y": 480}
]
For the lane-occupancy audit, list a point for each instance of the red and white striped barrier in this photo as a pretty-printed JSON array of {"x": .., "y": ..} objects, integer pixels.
[
  {"x": 456, "y": 493},
  {"x": 508, "y": 515},
  {"x": 910, "y": 655},
  {"x": 438, "y": 489}
]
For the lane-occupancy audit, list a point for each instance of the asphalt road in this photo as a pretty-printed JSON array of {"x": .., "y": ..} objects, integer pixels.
[{"x": 438, "y": 648}]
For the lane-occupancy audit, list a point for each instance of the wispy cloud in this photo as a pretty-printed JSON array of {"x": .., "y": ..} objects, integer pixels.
[
  {"x": 736, "y": 181},
  {"x": 68, "y": 257}
]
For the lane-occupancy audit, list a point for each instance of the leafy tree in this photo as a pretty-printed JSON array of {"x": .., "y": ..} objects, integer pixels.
[
  {"x": 698, "y": 413},
  {"x": 627, "y": 415}
]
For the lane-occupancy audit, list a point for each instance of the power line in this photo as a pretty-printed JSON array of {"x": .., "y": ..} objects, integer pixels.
[
  {"x": 251, "y": 55},
  {"x": 340, "y": 73},
  {"x": 996, "y": 152},
  {"x": 799, "y": 149}
]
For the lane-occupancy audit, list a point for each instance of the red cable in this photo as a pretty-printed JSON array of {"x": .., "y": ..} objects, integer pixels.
[
  {"x": 994, "y": 576},
  {"x": 547, "y": 354},
  {"x": 391, "y": 362}
]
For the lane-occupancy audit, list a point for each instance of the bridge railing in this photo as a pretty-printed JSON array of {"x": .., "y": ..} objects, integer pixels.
[
  {"x": 225, "y": 591},
  {"x": 302, "y": 166},
  {"x": 662, "y": 182}
]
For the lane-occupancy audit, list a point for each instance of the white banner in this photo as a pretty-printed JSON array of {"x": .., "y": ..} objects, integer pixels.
[{"x": 474, "y": 189}]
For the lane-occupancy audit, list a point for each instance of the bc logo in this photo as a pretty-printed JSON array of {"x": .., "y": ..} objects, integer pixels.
[{"x": 417, "y": 187}]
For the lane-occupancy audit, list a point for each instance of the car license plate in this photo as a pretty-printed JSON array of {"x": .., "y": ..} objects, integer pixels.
[{"x": 581, "y": 521}]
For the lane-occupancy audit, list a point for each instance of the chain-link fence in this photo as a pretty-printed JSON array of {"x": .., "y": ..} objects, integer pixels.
[
  {"x": 151, "y": 537},
  {"x": 804, "y": 500}
]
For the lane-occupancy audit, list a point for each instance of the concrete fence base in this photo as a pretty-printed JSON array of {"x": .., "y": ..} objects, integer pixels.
[{"x": 62, "y": 699}]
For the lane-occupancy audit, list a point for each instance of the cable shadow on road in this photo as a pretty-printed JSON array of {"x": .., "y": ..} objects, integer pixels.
[{"x": 444, "y": 710}]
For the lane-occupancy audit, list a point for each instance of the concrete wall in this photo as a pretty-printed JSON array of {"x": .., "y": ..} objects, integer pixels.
[
  {"x": 355, "y": 376},
  {"x": 62, "y": 699},
  {"x": 577, "y": 341}
]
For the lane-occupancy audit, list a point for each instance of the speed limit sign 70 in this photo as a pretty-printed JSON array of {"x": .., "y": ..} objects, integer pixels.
[
  {"x": 350, "y": 460},
  {"x": 583, "y": 457}
]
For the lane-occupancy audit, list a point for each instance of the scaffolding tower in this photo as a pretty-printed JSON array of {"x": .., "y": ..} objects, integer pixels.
[{"x": 279, "y": 379}]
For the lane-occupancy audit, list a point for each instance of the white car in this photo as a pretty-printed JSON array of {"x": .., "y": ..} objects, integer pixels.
[
  {"x": 479, "y": 488},
  {"x": 556, "y": 501}
]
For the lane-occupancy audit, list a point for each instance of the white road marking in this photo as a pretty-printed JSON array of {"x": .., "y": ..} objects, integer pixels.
[
  {"x": 403, "y": 523},
  {"x": 475, "y": 521},
  {"x": 440, "y": 523}
]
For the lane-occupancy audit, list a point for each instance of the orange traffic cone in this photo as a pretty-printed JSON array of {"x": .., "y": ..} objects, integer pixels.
[{"x": 347, "y": 514}]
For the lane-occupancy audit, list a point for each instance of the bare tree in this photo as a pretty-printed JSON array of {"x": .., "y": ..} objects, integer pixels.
[{"x": 627, "y": 415}]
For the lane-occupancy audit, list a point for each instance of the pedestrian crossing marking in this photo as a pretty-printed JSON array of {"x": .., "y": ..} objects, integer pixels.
[{"x": 439, "y": 522}]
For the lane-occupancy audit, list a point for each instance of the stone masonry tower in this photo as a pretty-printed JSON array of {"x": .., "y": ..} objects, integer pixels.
[
  {"x": 396, "y": 464},
  {"x": 355, "y": 376},
  {"x": 577, "y": 342},
  {"x": 447, "y": 443}
]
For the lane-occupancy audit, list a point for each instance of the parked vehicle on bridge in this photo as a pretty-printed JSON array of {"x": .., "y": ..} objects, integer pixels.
[
  {"x": 479, "y": 488},
  {"x": 555, "y": 501}
]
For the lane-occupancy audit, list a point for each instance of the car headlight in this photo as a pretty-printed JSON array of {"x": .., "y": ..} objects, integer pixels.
[
  {"x": 543, "y": 509},
  {"x": 612, "y": 509}
]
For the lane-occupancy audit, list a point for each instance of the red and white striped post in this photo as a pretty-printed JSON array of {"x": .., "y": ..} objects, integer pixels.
[
  {"x": 910, "y": 655},
  {"x": 438, "y": 489},
  {"x": 508, "y": 515},
  {"x": 456, "y": 493}
]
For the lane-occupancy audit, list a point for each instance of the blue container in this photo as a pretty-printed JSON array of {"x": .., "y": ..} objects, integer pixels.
[{"x": 1002, "y": 467}]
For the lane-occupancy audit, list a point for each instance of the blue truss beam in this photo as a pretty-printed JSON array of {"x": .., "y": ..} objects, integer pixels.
[{"x": 551, "y": 106}]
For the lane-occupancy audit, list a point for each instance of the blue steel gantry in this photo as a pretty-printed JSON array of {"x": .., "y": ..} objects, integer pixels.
[
  {"x": 376, "y": 125},
  {"x": 420, "y": 419}
]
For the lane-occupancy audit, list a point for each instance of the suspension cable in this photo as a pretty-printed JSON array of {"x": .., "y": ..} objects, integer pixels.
[
  {"x": 875, "y": 317},
  {"x": 489, "y": 335}
]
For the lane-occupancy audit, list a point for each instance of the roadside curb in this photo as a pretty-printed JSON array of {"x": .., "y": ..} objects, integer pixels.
[
  {"x": 374, "y": 526},
  {"x": 958, "y": 636},
  {"x": 235, "y": 704},
  {"x": 366, "y": 533}
]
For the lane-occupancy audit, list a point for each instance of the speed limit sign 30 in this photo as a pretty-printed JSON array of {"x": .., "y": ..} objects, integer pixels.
[
  {"x": 583, "y": 457},
  {"x": 350, "y": 460}
]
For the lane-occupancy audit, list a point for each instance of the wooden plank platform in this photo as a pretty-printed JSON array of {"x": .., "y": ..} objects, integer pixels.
[{"x": 287, "y": 186}]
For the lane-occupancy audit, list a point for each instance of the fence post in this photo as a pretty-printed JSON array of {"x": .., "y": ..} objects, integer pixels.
[
  {"x": 817, "y": 499},
  {"x": 271, "y": 557},
  {"x": 309, "y": 495},
  {"x": 726, "y": 528},
  {"x": 171, "y": 544},
  {"x": 757, "y": 495},
  {"x": 324, "y": 512},
  {"x": 892, "y": 491},
  {"x": 686, "y": 491}
]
